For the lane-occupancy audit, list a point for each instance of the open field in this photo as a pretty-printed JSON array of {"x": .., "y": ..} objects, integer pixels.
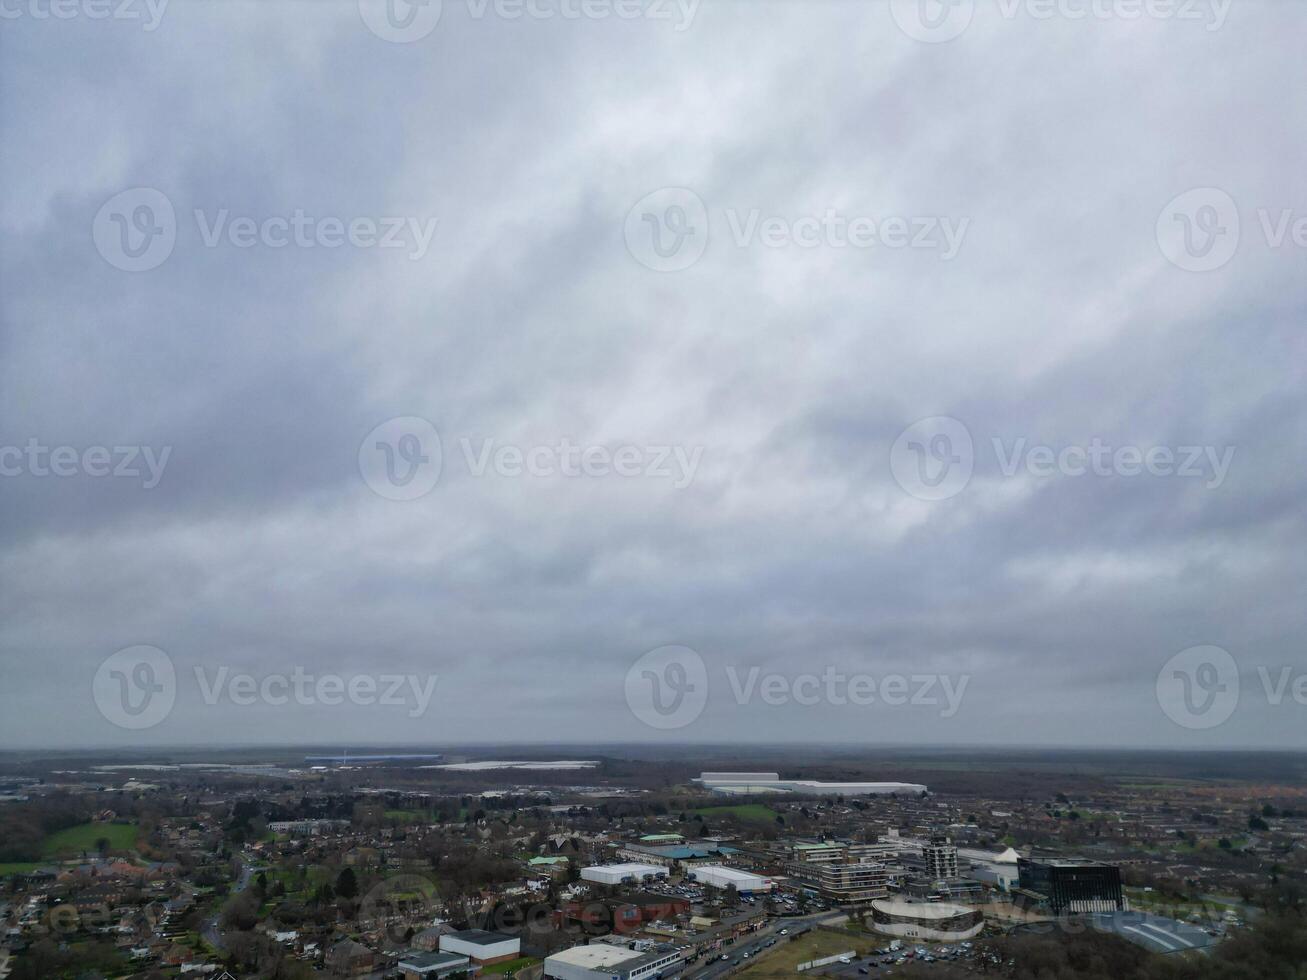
[
  {"x": 744, "y": 812},
  {"x": 73, "y": 841},
  {"x": 784, "y": 957}
]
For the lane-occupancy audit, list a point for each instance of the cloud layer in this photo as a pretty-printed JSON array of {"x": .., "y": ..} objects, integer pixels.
[{"x": 530, "y": 320}]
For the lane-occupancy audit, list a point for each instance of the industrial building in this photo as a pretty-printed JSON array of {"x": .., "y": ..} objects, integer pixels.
[
  {"x": 604, "y": 961},
  {"x": 931, "y": 921},
  {"x": 1072, "y": 884},
  {"x": 718, "y": 876},
  {"x": 432, "y": 966},
  {"x": 616, "y": 874},
  {"x": 771, "y": 782},
  {"x": 481, "y": 947},
  {"x": 706, "y": 852}
]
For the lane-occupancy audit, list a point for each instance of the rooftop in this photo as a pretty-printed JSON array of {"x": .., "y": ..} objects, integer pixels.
[
  {"x": 481, "y": 937},
  {"x": 595, "y": 956}
]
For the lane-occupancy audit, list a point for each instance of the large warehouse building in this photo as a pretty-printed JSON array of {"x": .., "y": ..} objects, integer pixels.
[
  {"x": 616, "y": 874},
  {"x": 933, "y": 921},
  {"x": 718, "y": 876},
  {"x": 770, "y": 782},
  {"x": 481, "y": 947},
  {"x": 602, "y": 961}
]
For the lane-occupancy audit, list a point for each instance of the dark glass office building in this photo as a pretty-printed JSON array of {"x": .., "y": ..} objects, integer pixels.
[{"x": 1072, "y": 885}]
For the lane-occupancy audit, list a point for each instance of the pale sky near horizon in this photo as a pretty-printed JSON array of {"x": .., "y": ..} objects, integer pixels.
[{"x": 672, "y": 291}]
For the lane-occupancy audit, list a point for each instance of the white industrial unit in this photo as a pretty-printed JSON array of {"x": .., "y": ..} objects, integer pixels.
[
  {"x": 720, "y": 877},
  {"x": 615, "y": 874},
  {"x": 481, "y": 946}
]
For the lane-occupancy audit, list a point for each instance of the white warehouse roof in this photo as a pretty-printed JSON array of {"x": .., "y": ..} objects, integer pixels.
[
  {"x": 613, "y": 873},
  {"x": 720, "y": 876}
]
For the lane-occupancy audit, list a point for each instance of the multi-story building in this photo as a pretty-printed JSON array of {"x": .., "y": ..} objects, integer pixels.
[
  {"x": 1073, "y": 885},
  {"x": 941, "y": 858},
  {"x": 843, "y": 872}
]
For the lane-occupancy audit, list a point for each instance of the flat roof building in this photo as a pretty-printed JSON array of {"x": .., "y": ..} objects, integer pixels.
[
  {"x": 719, "y": 876},
  {"x": 482, "y": 947},
  {"x": 770, "y": 782},
  {"x": 1073, "y": 884},
  {"x": 432, "y": 965},
  {"x": 616, "y": 874},
  {"x": 603, "y": 961}
]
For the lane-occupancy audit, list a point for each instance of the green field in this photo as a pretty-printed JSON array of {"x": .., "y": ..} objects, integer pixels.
[
  {"x": 744, "y": 812},
  {"x": 781, "y": 960},
  {"x": 15, "y": 867},
  {"x": 73, "y": 841},
  {"x": 510, "y": 966}
]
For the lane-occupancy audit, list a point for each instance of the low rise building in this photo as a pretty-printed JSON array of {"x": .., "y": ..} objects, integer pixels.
[
  {"x": 931, "y": 921},
  {"x": 433, "y": 966},
  {"x": 481, "y": 947},
  {"x": 719, "y": 876},
  {"x": 604, "y": 961}
]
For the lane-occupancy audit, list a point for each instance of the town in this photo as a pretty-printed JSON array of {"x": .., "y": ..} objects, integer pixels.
[{"x": 411, "y": 866}]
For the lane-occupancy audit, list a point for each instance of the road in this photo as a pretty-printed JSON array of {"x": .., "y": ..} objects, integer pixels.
[
  {"x": 210, "y": 932},
  {"x": 755, "y": 942}
]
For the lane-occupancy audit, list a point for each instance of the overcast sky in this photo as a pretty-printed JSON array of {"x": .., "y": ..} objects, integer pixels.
[{"x": 851, "y": 229}]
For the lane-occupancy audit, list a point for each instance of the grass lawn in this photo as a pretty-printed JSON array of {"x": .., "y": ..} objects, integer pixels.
[
  {"x": 781, "y": 959},
  {"x": 73, "y": 841},
  {"x": 510, "y": 965},
  {"x": 744, "y": 812},
  {"x": 15, "y": 867}
]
